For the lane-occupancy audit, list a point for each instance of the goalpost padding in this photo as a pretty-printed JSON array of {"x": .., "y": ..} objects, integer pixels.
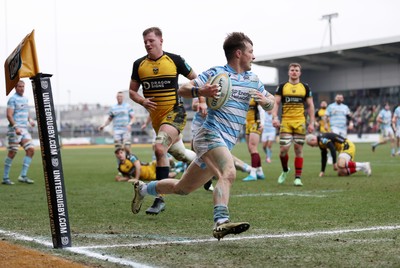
[{"x": 51, "y": 158}]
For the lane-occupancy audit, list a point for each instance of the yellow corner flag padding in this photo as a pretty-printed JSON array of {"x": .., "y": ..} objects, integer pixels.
[{"x": 22, "y": 62}]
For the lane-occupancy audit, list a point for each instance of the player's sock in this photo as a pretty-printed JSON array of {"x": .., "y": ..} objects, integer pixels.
[
  {"x": 298, "y": 164},
  {"x": 7, "y": 167},
  {"x": 351, "y": 167},
  {"x": 25, "y": 165},
  {"x": 284, "y": 162}
]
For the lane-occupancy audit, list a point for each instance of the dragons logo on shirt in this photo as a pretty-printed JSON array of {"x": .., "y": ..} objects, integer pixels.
[{"x": 126, "y": 166}]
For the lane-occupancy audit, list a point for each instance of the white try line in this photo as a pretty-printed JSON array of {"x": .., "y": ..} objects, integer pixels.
[
  {"x": 275, "y": 236},
  {"x": 78, "y": 250},
  {"x": 86, "y": 250},
  {"x": 301, "y": 194}
]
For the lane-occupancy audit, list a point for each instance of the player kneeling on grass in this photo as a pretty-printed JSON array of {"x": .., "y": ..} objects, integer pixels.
[
  {"x": 345, "y": 164},
  {"x": 131, "y": 169}
]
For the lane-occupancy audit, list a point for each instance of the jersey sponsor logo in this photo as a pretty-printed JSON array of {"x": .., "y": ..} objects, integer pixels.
[
  {"x": 157, "y": 84},
  {"x": 293, "y": 100},
  {"x": 240, "y": 95},
  {"x": 126, "y": 166}
]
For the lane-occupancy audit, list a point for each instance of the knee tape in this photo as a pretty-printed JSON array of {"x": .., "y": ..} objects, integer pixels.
[
  {"x": 164, "y": 139},
  {"x": 285, "y": 141},
  {"x": 13, "y": 147},
  {"x": 117, "y": 145},
  {"x": 179, "y": 152},
  {"x": 299, "y": 141},
  {"x": 28, "y": 145}
]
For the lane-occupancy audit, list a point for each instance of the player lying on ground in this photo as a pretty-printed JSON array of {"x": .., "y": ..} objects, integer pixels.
[
  {"x": 131, "y": 169},
  {"x": 345, "y": 164}
]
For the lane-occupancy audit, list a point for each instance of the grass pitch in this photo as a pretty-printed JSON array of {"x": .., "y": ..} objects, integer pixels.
[{"x": 329, "y": 222}]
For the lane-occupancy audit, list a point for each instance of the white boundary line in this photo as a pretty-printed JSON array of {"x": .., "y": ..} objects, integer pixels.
[
  {"x": 85, "y": 250},
  {"x": 77, "y": 250},
  {"x": 285, "y": 235},
  {"x": 279, "y": 194},
  {"x": 302, "y": 194}
]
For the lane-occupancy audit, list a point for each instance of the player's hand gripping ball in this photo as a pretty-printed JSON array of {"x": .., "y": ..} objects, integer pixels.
[{"x": 224, "y": 92}]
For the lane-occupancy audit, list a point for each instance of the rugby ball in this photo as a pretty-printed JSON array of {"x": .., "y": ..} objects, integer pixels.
[{"x": 225, "y": 90}]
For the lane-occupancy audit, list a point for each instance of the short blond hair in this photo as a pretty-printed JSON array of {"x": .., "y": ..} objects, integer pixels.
[
  {"x": 294, "y": 64},
  {"x": 309, "y": 138}
]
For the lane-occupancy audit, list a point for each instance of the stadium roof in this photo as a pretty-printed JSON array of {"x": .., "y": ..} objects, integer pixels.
[{"x": 377, "y": 51}]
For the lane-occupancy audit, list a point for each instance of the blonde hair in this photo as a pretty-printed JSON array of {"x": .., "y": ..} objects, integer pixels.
[
  {"x": 309, "y": 138},
  {"x": 294, "y": 64}
]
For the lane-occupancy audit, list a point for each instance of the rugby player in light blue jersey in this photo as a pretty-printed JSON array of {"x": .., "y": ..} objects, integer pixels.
[
  {"x": 217, "y": 136},
  {"x": 18, "y": 134},
  {"x": 338, "y": 116},
  {"x": 122, "y": 116},
  {"x": 199, "y": 105},
  {"x": 384, "y": 120},
  {"x": 396, "y": 126},
  {"x": 268, "y": 136}
]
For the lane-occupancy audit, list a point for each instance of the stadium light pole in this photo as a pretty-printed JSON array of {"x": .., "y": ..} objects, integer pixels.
[{"x": 329, "y": 17}]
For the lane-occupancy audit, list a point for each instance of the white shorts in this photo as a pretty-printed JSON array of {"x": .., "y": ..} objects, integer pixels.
[
  {"x": 387, "y": 133},
  {"x": 345, "y": 156},
  {"x": 122, "y": 137},
  {"x": 398, "y": 132},
  {"x": 195, "y": 127},
  {"x": 204, "y": 141},
  {"x": 340, "y": 131},
  {"x": 14, "y": 138},
  {"x": 268, "y": 136}
]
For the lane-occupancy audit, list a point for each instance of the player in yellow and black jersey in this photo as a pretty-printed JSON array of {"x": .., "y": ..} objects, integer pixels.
[
  {"x": 159, "y": 80},
  {"x": 345, "y": 164},
  {"x": 132, "y": 169},
  {"x": 293, "y": 98},
  {"x": 157, "y": 73},
  {"x": 293, "y": 95},
  {"x": 254, "y": 128},
  {"x": 320, "y": 117}
]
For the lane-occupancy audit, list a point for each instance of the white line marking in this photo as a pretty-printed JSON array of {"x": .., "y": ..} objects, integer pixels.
[
  {"x": 279, "y": 194},
  {"x": 287, "y": 235},
  {"x": 303, "y": 194},
  {"x": 77, "y": 250},
  {"x": 107, "y": 257},
  {"x": 85, "y": 249}
]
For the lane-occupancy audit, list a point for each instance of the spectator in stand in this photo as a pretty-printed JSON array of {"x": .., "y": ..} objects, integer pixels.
[
  {"x": 372, "y": 119},
  {"x": 360, "y": 117}
]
